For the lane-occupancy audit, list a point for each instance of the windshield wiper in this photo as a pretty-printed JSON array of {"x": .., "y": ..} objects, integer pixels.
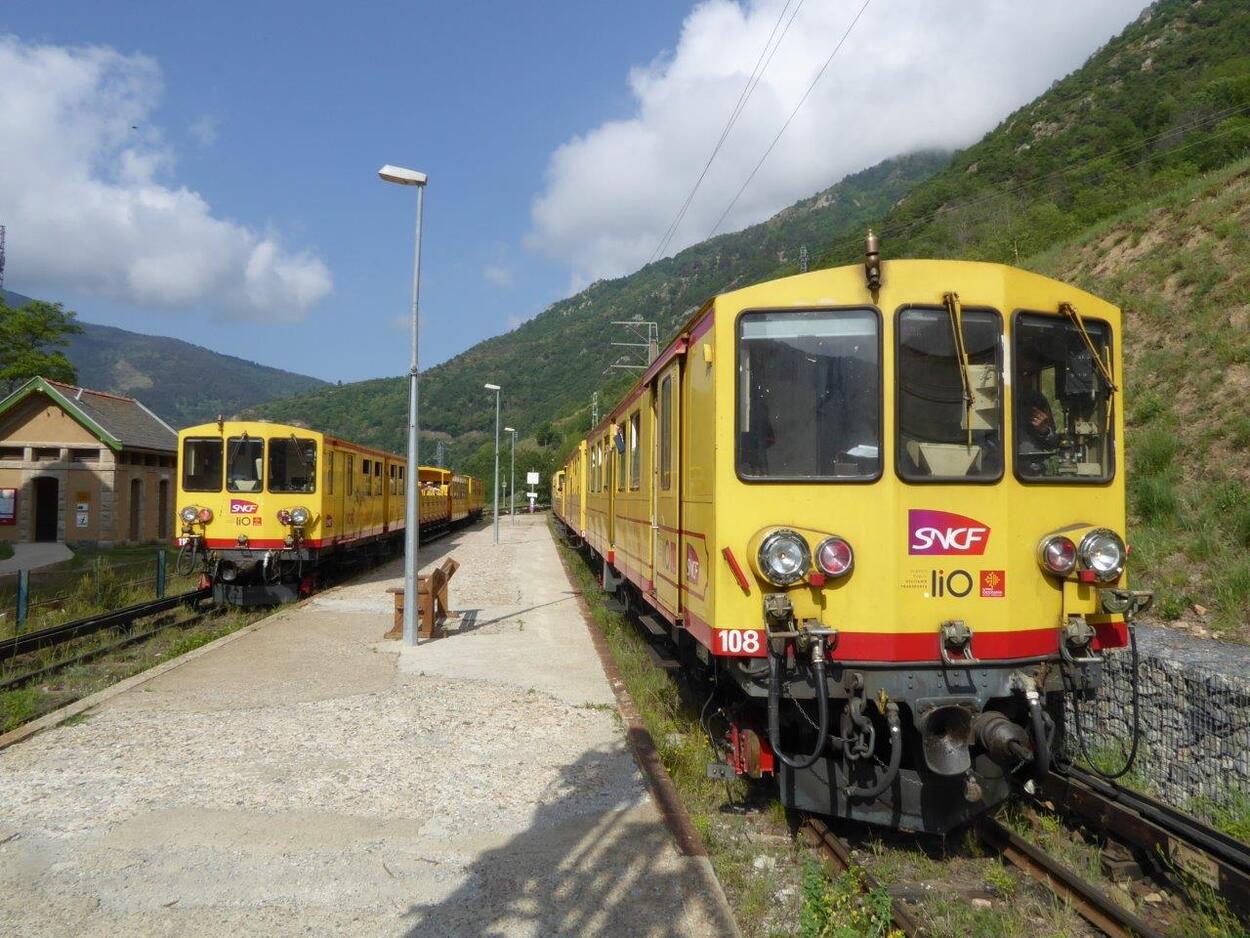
[
  {"x": 299, "y": 454},
  {"x": 1104, "y": 368},
  {"x": 955, "y": 311}
]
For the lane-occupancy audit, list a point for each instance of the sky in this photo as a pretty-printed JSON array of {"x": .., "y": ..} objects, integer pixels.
[{"x": 208, "y": 171}]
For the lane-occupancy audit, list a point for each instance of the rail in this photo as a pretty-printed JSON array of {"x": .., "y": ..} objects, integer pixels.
[
  {"x": 1159, "y": 830},
  {"x": 89, "y": 625}
]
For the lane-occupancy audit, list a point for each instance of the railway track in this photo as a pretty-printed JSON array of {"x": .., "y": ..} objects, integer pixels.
[{"x": 89, "y": 625}]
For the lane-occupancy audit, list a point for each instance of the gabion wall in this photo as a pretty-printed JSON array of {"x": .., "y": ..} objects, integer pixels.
[{"x": 1195, "y": 719}]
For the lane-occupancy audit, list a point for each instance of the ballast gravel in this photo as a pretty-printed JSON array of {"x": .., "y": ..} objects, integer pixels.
[{"x": 312, "y": 779}]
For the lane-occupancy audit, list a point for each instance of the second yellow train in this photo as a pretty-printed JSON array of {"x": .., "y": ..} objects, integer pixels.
[{"x": 266, "y": 508}]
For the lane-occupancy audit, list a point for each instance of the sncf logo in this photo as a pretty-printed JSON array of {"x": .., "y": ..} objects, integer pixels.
[
  {"x": 241, "y": 506},
  {"x": 941, "y": 532}
]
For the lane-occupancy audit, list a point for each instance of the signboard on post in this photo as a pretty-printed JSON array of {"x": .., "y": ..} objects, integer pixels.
[
  {"x": 531, "y": 478},
  {"x": 8, "y": 506}
]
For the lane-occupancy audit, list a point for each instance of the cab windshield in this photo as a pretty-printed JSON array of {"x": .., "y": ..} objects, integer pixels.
[
  {"x": 948, "y": 429},
  {"x": 809, "y": 395},
  {"x": 201, "y": 465},
  {"x": 1063, "y": 420},
  {"x": 245, "y": 463},
  {"x": 292, "y": 464}
]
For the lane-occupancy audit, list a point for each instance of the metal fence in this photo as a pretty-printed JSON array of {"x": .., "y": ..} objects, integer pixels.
[
  {"x": 1193, "y": 723},
  {"x": 40, "y": 598}
]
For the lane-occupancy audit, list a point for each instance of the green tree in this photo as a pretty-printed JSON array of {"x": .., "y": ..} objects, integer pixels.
[{"x": 30, "y": 339}]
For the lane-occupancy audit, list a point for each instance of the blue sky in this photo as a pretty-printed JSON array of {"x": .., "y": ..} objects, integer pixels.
[{"x": 161, "y": 154}]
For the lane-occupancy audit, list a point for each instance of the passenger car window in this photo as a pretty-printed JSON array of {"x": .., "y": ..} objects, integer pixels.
[
  {"x": 666, "y": 433},
  {"x": 201, "y": 465},
  {"x": 245, "y": 464},
  {"x": 809, "y": 395},
  {"x": 1061, "y": 414},
  {"x": 635, "y": 450},
  {"x": 292, "y": 464},
  {"x": 939, "y": 435}
]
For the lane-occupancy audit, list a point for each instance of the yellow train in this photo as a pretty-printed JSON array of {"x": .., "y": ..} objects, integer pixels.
[
  {"x": 265, "y": 507},
  {"x": 885, "y": 505}
]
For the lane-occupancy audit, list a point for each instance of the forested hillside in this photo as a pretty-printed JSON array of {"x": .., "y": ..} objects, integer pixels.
[{"x": 183, "y": 383}]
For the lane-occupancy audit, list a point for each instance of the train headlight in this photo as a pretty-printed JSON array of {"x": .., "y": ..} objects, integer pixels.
[
  {"x": 1102, "y": 553},
  {"x": 784, "y": 557},
  {"x": 1058, "y": 554},
  {"x": 189, "y": 514},
  {"x": 300, "y": 515},
  {"x": 205, "y": 515},
  {"x": 834, "y": 557}
]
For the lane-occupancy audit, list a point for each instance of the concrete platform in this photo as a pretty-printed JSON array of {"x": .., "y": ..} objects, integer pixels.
[
  {"x": 35, "y": 556},
  {"x": 311, "y": 779}
]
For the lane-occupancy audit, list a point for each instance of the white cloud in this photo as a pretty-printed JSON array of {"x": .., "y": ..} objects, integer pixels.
[
  {"x": 498, "y": 275},
  {"x": 86, "y": 193},
  {"x": 914, "y": 74}
]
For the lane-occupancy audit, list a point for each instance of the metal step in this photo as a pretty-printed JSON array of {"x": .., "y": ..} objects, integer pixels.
[
  {"x": 653, "y": 625},
  {"x": 660, "y": 660}
]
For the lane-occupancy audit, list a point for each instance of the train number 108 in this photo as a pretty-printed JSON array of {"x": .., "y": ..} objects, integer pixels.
[{"x": 744, "y": 643}]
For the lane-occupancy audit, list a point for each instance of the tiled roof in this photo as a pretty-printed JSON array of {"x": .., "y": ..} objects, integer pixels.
[{"x": 124, "y": 419}]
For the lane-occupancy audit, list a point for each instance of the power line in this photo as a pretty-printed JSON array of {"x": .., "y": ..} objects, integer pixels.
[
  {"x": 757, "y": 73},
  {"x": 794, "y": 112}
]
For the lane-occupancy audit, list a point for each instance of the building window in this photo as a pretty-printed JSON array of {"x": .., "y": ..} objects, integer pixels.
[
  {"x": 12, "y": 452},
  {"x": 47, "y": 453},
  {"x": 84, "y": 455}
]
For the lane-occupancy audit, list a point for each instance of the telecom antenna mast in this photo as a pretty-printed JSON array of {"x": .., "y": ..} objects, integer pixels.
[
  {"x": 594, "y": 410},
  {"x": 1, "y": 255},
  {"x": 803, "y": 258}
]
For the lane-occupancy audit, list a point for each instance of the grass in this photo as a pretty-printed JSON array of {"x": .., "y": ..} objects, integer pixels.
[
  {"x": 23, "y": 704},
  {"x": 840, "y": 908},
  {"x": 6, "y": 550}
]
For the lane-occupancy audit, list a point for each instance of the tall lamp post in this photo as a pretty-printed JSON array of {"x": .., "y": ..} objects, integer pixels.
[
  {"x": 495, "y": 388},
  {"x": 412, "y": 486},
  {"x": 512, "y": 478}
]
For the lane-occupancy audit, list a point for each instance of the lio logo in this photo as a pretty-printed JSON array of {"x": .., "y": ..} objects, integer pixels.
[{"x": 942, "y": 532}]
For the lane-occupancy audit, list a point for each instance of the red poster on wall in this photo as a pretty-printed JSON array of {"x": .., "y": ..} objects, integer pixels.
[{"x": 8, "y": 506}]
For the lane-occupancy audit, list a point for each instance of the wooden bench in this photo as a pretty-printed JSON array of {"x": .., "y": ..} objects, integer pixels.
[{"x": 431, "y": 602}]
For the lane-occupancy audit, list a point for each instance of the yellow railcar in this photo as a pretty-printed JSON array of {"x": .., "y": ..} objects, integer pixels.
[
  {"x": 886, "y": 503},
  {"x": 264, "y": 507}
]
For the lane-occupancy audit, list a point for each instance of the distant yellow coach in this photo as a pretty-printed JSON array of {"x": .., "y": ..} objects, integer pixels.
[
  {"x": 265, "y": 507},
  {"x": 884, "y": 505}
]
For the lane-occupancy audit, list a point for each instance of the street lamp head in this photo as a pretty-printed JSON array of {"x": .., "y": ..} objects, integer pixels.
[
  {"x": 509, "y": 430},
  {"x": 491, "y": 387},
  {"x": 401, "y": 176}
]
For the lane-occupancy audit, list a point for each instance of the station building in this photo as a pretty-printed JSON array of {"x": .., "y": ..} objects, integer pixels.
[{"x": 83, "y": 467}]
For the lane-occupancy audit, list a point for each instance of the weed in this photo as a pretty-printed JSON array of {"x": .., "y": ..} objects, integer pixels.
[
  {"x": 18, "y": 706},
  {"x": 80, "y": 717},
  {"x": 1000, "y": 879},
  {"x": 841, "y": 908},
  {"x": 1154, "y": 498},
  {"x": 1231, "y": 813}
]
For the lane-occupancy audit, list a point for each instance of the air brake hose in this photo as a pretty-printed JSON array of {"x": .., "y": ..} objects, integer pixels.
[
  {"x": 1041, "y": 740},
  {"x": 1136, "y": 690},
  {"x": 896, "y": 759},
  {"x": 774, "y": 706}
]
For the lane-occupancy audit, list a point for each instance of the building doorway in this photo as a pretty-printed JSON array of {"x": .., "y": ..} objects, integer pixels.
[
  {"x": 47, "y": 508},
  {"x": 136, "y": 496},
  {"x": 162, "y": 509}
]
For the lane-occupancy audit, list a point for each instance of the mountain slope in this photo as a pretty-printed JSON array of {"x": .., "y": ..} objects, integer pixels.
[
  {"x": 550, "y": 365},
  {"x": 183, "y": 383},
  {"x": 1180, "y": 267}
]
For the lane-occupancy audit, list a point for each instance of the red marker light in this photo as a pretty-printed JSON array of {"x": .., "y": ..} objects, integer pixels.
[{"x": 205, "y": 515}]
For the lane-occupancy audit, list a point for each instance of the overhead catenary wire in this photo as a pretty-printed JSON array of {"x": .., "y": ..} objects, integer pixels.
[
  {"x": 789, "y": 119},
  {"x": 757, "y": 73}
]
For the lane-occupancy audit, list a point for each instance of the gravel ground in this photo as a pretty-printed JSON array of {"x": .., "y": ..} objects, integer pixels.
[{"x": 309, "y": 778}]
